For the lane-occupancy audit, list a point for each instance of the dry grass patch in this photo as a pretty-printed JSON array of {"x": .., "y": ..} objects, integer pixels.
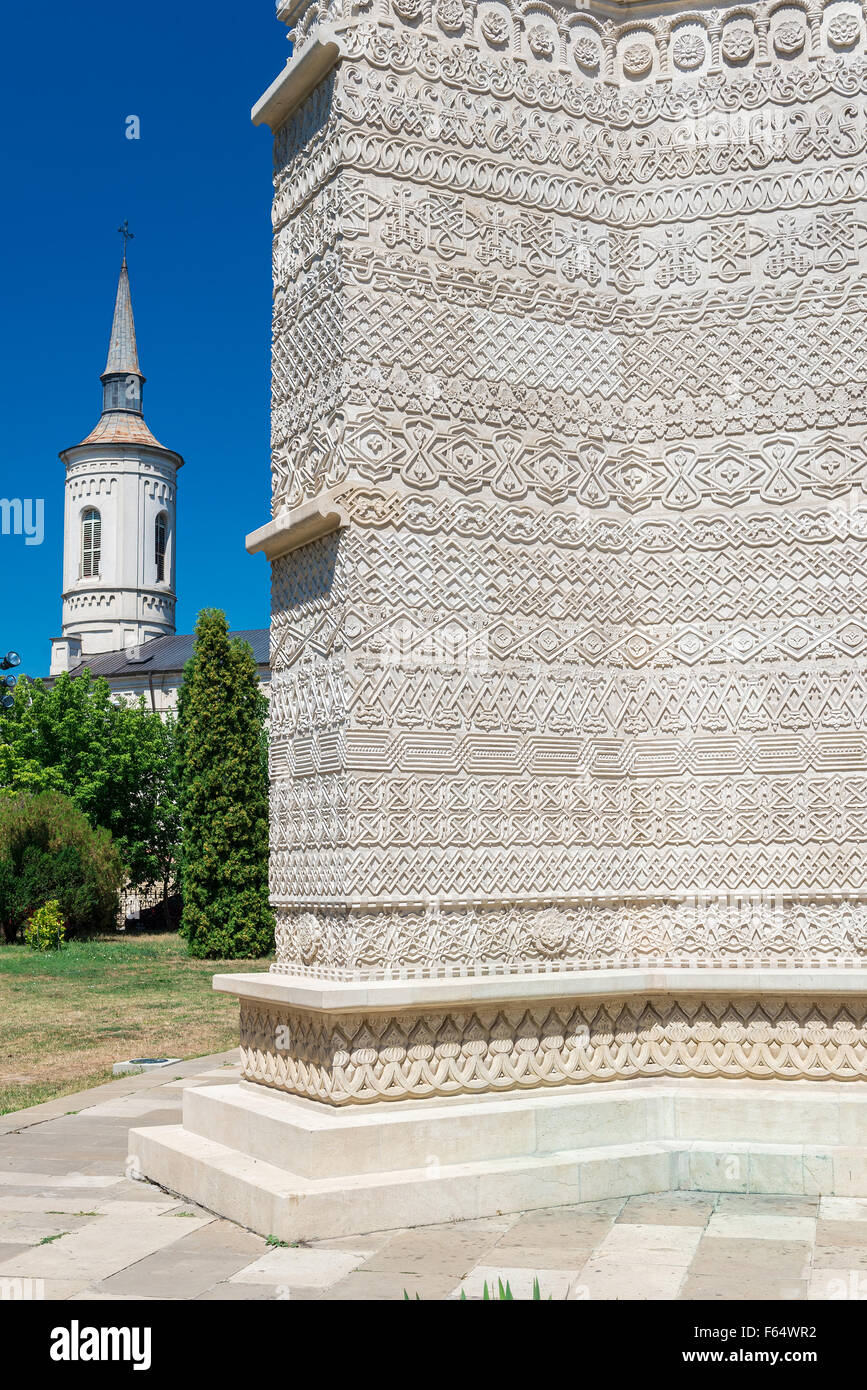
[{"x": 68, "y": 1016}]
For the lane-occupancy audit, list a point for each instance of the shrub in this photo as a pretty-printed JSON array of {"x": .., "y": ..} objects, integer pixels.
[
  {"x": 45, "y": 929},
  {"x": 49, "y": 850}
]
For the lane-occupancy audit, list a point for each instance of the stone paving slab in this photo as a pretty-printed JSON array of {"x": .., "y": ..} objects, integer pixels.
[
  {"x": 627, "y": 1277},
  {"x": 301, "y": 1268},
  {"x": 668, "y": 1209},
  {"x": 34, "y": 1228},
  {"x": 200, "y": 1070},
  {"x": 117, "y": 1239},
  {"x": 186, "y": 1268},
  {"x": 760, "y": 1225}
]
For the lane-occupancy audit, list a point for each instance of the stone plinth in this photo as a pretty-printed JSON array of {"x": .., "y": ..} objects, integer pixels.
[{"x": 718, "y": 1081}]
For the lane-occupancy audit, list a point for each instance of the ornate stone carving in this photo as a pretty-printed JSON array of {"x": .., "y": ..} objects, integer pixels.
[
  {"x": 841, "y": 31},
  {"x": 637, "y": 59},
  {"x": 307, "y": 936},
  {"x": 737, "y": 45},
  {"x": 789, "y": 38},
  {"x": 443, "y": 938},
  {"x": 688, "y": 51},
  {"x": 495, "y": 27},
  {"x": 451, "y": 16},
  {"x": 541, "y": 41},
  {"x": 587, "y": 54},
  {"x": 582, "y": 358},
  {"x": 383, "y": 1057},
  {"x": 844, "y": 30},
  {"x": 550, "y": 932}
]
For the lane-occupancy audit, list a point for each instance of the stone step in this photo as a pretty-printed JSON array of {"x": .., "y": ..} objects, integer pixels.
[
  {"x": 310, "y": 1139},
  {"x": 272, "y": 1200},
  {"x": 315, "y": 1140}
]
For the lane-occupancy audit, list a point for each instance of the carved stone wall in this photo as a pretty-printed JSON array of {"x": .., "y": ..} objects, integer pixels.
[{"x": 569, "y": 318}]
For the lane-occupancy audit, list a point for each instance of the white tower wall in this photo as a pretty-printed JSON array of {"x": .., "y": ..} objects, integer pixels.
[{"x": 122, "y": 472}]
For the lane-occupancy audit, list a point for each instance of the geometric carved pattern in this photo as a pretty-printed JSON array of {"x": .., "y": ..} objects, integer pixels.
[
  {"x": 568, "y": 319},
  {"x": 382, "y": 1057}
]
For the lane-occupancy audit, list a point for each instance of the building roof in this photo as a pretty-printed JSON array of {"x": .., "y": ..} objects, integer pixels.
[
  {"x": 122, "y": 427},
  {"x": 164, "y": 655}
]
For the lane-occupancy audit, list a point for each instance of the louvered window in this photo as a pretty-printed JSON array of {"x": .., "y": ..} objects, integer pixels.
[
  {"x": 160, "y": 545},
  {"x": 91, "y": 543}
]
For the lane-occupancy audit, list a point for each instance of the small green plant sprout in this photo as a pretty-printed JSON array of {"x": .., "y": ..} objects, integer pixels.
[
  {"x": 46, "y": 1240},
  {"x": 276, "y": 1242},
  {"x": 45, "y": 928},
  {"x": 503, "y": 1293}
]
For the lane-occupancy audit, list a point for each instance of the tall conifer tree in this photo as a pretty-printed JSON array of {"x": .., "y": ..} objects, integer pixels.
[{"x": 222, "y": 756}]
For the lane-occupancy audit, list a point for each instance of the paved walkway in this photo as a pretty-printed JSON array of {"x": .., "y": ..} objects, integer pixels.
[{"x": 72, "y": 1219}]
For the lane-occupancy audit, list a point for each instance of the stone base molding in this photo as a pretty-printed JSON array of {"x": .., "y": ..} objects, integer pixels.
[
  {"x": 372, "y": 1104},
  {"x": 633, "y": 1025}
]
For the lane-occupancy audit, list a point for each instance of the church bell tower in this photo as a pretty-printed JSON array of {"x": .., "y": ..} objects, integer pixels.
[{"x": 119, "y": 520}]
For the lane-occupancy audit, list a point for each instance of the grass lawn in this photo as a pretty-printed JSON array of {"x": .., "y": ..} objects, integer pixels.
[{"x": 66, "y": 1017}]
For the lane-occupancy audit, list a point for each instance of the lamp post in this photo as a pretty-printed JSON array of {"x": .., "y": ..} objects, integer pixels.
[{"x": 9, "y": 660}]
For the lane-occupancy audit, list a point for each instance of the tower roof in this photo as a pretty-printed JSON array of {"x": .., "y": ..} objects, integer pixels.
[
  {"x": 122, "y": 427},
  {"x": 122, "y": 349}
]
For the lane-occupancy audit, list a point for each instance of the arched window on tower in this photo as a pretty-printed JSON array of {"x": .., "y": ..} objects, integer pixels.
[
  {"x": 91, "y": 543},
  {"x": 160, "y": 533}
]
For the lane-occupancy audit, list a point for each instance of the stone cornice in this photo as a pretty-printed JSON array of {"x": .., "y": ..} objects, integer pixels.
[
  {"x": 378, "y": 996},
  {"x": 318, "y": 517},
  {"x": 299, "y": 78}
]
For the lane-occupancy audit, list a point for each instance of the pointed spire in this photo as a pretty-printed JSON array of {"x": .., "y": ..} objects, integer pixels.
[
  {"x": 122, "y": 380},
  {"x": 122, "y": 349},
  {"x": 122, "y": 420}
]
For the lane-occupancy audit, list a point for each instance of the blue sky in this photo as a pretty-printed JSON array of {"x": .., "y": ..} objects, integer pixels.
[{"x": 196, "y": 189}]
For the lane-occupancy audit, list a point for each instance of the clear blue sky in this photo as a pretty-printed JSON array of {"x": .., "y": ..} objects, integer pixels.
[{"x": 196, "y": 189}]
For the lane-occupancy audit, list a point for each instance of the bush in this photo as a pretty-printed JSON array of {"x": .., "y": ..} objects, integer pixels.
[
  {"x": 49, "y": 850},
  {"x": 45, "y": 929}
]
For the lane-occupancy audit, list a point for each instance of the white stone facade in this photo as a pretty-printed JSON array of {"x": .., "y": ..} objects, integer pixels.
[{"x": 568, "y": 324}]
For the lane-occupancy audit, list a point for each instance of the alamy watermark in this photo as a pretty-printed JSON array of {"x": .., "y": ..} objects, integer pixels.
[
  {"x": 23, "y": 516},
  {"x": 21, "y": 1290}
]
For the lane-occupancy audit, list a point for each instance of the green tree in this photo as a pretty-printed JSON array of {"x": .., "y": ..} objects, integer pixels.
[
  {"x": 115, "y": 760},
  {"x": 19, "y": 774},
  {"x": 223, "y": 773}
]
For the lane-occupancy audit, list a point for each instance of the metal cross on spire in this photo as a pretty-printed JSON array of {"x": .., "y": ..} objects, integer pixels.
[{"x": 127, "y": 236}]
